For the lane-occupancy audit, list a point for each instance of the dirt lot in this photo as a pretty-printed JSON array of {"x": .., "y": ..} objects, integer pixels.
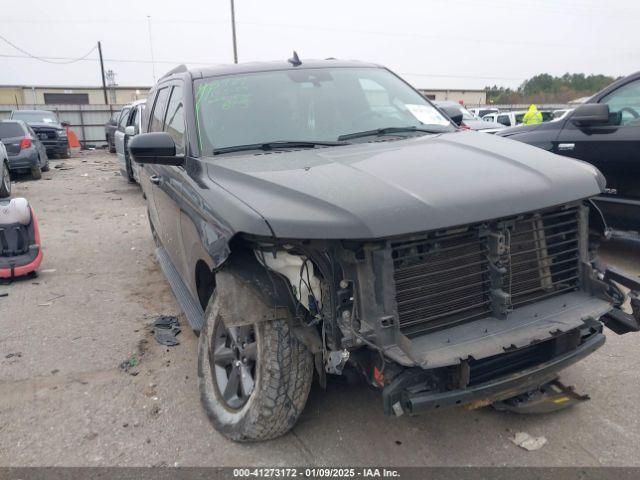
[{"x": 65, "y": 401}]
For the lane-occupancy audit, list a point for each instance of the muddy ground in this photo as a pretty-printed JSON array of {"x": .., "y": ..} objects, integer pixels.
[{"x": 64, "y": 400}]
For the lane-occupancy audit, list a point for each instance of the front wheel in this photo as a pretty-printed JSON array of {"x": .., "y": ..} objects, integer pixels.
[{"x": 254, "y": 380}]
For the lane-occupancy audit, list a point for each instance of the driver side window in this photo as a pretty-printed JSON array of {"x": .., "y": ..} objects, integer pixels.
[{"x": 624, "y": 105}]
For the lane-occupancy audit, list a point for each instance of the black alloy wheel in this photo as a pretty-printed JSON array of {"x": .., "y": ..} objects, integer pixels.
[{"x": 233, "y": 358}]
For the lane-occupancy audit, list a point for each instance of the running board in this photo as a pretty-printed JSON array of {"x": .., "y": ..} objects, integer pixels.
[{"x": 191, "y": 308}]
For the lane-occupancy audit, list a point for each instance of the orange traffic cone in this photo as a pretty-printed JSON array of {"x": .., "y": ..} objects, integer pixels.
[{"x": 74, "y": 144}]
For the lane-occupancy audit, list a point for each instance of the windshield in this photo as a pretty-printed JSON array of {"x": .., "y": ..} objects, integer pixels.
[
  {"x": 307, "y": 105},
  {"x": 42, "y": 117}
]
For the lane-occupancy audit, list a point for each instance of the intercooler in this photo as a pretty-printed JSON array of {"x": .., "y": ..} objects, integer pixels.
[{"x": 454, "y": 276}]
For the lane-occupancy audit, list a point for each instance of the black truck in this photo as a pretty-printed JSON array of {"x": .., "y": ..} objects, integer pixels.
[
  {"x": 604, "y": 131},
  {"x": 323, "y": 215}
]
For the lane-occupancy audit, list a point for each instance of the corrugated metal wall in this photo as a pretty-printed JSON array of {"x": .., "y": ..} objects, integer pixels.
[{"x": 87, "y": 121}]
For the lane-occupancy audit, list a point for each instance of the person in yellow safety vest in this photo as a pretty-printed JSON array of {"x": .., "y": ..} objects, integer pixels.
[{"x": 533, "y": 116}]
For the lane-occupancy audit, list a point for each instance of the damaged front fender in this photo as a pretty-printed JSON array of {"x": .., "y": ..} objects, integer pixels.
[{"x": 618, "y": 320}]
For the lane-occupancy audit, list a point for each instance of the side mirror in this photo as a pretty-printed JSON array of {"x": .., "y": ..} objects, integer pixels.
[
  {"x": 590, "y": 115},
  {"x": 64, "y": 123},
  {"x": 130, "y": 130},
  {"x": 155, "y": 147},
  {"x": 454, "y": 114}
]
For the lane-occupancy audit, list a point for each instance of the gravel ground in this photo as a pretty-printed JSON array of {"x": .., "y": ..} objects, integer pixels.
[{"x": 64, "y": 400}]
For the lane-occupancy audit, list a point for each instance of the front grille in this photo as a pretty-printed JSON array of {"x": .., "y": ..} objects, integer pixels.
[
  {"x": 447, "y": 278},
  {"x": 544, "y": 257},
  {"x": 46, "y": 133}
]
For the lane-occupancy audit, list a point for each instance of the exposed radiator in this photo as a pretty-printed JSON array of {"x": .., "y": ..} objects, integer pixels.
[{"x": 446, "y": 278}]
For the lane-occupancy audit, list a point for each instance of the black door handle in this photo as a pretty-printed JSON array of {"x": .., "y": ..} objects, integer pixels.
[{"x": 155, "y": 179}]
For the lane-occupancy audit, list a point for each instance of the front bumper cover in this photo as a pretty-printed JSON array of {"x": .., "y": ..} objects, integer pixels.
[{"x": 403, "y": 395}]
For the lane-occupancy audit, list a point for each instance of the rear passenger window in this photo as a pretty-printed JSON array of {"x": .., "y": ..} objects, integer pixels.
[
  {"x": 174, "y": 122},
  {"x": 157, "y": 116}
]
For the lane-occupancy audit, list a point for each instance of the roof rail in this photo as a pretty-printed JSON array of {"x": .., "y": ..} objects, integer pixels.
[{"x": 179, "y": 69}]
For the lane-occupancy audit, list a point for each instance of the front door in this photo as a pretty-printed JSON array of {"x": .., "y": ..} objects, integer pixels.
[
  {"x": 169, "y": 179},
  {"x": 614, "y": 149}
]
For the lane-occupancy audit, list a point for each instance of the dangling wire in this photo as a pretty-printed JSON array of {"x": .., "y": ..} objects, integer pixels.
[{"x": 64, "y": 62}]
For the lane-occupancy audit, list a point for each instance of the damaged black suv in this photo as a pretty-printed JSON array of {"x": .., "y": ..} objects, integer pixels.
[{"x": 325, "y": 216}]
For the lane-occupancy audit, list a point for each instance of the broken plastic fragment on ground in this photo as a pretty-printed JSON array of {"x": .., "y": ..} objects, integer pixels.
[
  {"x": 165, "y": 329},
  {"x": 526, "y": 441}
]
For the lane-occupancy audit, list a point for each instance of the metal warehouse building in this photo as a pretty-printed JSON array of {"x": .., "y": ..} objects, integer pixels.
[{"x": 60, "y": 95}]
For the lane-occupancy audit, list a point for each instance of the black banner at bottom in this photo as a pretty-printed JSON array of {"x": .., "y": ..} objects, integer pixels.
[{"x": 404, "y": 473}]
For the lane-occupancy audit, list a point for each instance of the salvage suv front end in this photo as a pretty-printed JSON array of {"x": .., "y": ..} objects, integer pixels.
[{"x": 320, "y": 228}]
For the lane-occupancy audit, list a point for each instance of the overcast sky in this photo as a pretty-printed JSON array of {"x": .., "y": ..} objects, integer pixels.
[{"x": 432, "y": 43}]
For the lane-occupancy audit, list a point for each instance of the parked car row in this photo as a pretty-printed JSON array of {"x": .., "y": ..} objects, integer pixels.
[
  {"x": 123, "y": 125},
  {"x": 325, "y": 216},
  {"x": 514, "y": 118}
]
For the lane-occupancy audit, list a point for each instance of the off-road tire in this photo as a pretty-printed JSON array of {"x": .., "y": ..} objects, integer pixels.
[
  {"x": 111, "y": 144},
  {"x": 36, "y": 172},
  {"x": 67, "y": 153},
  {"x": 284, "y": 371},
  {"x": 5, "y": 189}
]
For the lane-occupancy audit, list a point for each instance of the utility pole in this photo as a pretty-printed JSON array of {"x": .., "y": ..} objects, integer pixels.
[
  {"x": 233, "y": 31},
  {"x": 104, "y": 83},
  {"x": 153, "y": 61}
]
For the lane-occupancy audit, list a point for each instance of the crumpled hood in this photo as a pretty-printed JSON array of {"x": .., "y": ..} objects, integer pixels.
[{"x": 381, "y": 189}]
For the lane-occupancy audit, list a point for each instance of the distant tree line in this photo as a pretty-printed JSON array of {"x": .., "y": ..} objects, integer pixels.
[{"x": 545, "y": 88}]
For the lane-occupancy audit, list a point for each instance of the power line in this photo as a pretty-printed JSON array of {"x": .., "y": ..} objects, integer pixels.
[{"x": 45, "y": 59}]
